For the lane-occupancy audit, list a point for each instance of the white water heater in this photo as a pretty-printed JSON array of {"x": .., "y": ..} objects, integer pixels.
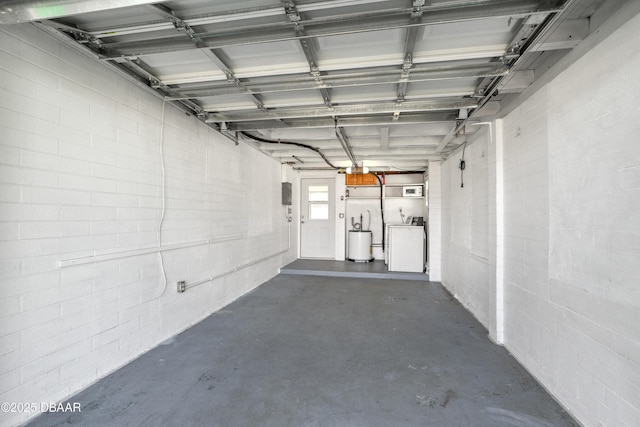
[{"x": 359, "y": 249}]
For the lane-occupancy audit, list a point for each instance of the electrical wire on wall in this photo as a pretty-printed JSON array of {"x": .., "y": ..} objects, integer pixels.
[
  {"x": 288, "y": 212},
  {"x": 297, "y": 144},
  {"x": 289, "y": 217},
  {"x": 462, "y": 165},
  {"x": 444, "y": 153},
  {"x": 162, "y": 212},
  {"x": 395, "y": 168},
  {"x": 381, "y": 206}
]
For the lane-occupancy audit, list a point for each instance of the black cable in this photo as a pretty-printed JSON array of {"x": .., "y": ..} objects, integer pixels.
[
  {"x": 405, "y": 171},
  {"x": 462, "y": 165},
  {"x": 381, "y": 206},
  {"x": 297, "y": 144},
  {"x": 454, "y": 148}
]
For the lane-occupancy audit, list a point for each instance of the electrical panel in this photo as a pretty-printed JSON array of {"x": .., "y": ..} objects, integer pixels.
[{"x": 286, "y": 193}]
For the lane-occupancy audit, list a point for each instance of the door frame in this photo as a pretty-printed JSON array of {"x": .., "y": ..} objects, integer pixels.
[{"x": 305, "y": 182}]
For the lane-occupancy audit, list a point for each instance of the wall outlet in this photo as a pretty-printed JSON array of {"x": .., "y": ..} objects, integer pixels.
[{"x": 182, "y": 286}]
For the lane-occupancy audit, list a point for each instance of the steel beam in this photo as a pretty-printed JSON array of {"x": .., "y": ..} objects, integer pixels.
[
  {"x": 345, "y": 110},
  {"x": 568, "y": 35},
  {"x": 335, "y": 25},
  {"x": 136, "y": 67},
  {"x": 308, "y": 49},
  {"x": 336, "y": 155},
  {"x": 312, "y": 123},
  {"x": 513, "y": 55},
  {"x": 329, "y": 81},
  {"x": 343, "y": 138},
  {"x": 222, "y": 16},
  {"x": 409, "y": 47},
  {"x": 181, "y": 25},
  {"x": 310, "y": 55},
  {"x": 361, "y": 144}
]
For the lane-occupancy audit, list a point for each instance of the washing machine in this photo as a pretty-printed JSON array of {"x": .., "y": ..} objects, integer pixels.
[{"x": 406, "y": 248}]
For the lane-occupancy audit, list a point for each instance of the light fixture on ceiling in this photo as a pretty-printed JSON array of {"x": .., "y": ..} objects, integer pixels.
[{"x": 355, "y": 170}]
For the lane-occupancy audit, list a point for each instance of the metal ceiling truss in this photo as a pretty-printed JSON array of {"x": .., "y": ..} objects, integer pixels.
[
  {"x": 346, "y": 110},
  {"x": 338, "y": 24},
  {"x": 341, "y": 134},
  {"x": 316, "y": 123},
  {"x": 307, "y": 48},
  {"x": 367, "y": 151},
  {"x": 409, "y": 46},
  {"x": 338, "y": 156},
  {"x": 181, "y": 25},
  {"x": 310, "y": 55},
  {"x": 137, "y": 69},
  {"x": 529, "y": 32},
  {"x": 342, "y": 80},
  {"x": 20, "y": 11},
  {"x": 126, "y": 46}
]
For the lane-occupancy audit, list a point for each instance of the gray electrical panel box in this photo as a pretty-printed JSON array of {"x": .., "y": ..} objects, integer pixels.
[{"x": 286, "y": 193}]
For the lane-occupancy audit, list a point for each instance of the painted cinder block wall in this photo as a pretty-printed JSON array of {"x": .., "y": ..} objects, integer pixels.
[
  {"x": 571, "y": 228},
  {"x": 469, "y": 226},
  {"x": 434, "y": 231},
  {"x": 81, "y": 175}
]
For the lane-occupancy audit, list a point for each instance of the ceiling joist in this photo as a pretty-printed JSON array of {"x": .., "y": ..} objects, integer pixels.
[
  {"x": 334, "y": 25},
  {"x": 316, "y": 123},
  {"x": 346, "y": 110},
  {"x": 342, "y": 80},
  {"x": 390, "y": 82}
]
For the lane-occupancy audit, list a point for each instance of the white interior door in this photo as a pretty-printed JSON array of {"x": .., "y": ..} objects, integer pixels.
[{"x": 317, "y": 218}]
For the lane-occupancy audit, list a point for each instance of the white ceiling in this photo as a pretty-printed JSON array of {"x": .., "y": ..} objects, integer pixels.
[{"x": 380, "y": 82}]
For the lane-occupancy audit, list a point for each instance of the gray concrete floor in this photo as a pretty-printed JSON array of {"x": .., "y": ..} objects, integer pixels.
[
  {"x": 324, "y": 351},
  {"x": 369, "y": 270}
]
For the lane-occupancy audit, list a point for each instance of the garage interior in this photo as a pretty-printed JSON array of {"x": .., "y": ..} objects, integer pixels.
[{"x": 172, "y": 170}]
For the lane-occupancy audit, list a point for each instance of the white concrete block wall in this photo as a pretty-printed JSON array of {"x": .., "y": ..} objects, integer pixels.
[
  {"x": 594, "y": 232},
  {"x": 468, "y": 226},
  {"x": 434, "y": 230},
  {"x": 526, "y": 230},
  {"x": 81, "y": 176},
  {"x": 571, "y": 234}
]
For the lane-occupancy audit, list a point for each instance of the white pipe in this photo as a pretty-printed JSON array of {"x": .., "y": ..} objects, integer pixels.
[
  {"x": 233, "y": 270},
  {"x": 137, "y": 252},
  {"x": 499, "y": 295}
]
